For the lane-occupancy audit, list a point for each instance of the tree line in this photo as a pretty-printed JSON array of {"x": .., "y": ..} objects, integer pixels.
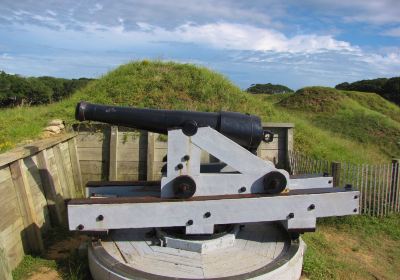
[
  {"x": 387, "y": 88},
  {"x": 268, "y": 89},
  {"x": 16, "y": 90}
]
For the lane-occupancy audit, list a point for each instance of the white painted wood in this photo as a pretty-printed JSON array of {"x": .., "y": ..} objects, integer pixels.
[
  {"x": 233, "y": 261},
  {"x": 230, "y": 152},
  {"x": 251, "y": 168},
  {"x": 310, "y": 183},
  {"x": 223, "y": 211}
]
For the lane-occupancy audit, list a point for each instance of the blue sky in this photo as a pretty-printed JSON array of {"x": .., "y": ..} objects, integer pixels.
[{"x": 295, "y": 43}]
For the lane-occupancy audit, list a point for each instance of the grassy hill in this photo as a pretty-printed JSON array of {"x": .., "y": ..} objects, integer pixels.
[{"x": 332, "y": 124}]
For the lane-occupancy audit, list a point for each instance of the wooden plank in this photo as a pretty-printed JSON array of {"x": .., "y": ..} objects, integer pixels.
[
  {"x": 277, "y": 143},
  {"x": 335, "y": 171},
  {"x": 5, "y": 270},
  {"x": 93, "y": 167},
  {"x": 129, "y": 177},
  {"x": 54, "y": 202},
  {"x": 289, "y": 147},
  {"x": 91, "y": 177},
  {"x": 5, "y": 174},
  {"x": 131, "y": 167},
  {"x": 93, "y": 153},
  {"x": 32, "y": 148},
  {"x": 75, "y": 166},
  {"x": 61, "y": 171},
  {"x": 6, "y": 191},
  {"x": 133, "y": 140},
  {"x": 26, "y": 206},
  {"x": 13, "y": 247},
  {"x": 160, "y": 144},
  {"x": 68, "y": 172},
  {"x": 379, "y": 191},
  {"x": 375, "y": 171},
  {"x": 9, "y": 210},
  {"x": 267, "y": 125},
  {"x": 113, "y": 171},
  {"x": 131, "y": 154},
  {"x": 92, "y": 140},
  {"x": 151, "y": 138},
  {"x": 395, "y": 170}
]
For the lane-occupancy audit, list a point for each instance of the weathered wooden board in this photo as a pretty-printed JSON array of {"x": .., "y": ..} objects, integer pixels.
[
  {"x": 131, "y": 167},
  {"x": 5, "y": 174},
  {"x": 92, "y": 140},
  {"x": 32, "y": 148},
  {"x": 93, "y": 167},
  {"x": 132, "y": 154},
  {"x": 27, "y": 207},
  {"x": 12, "y": 237},
  {"x": 75, "y": 167},
  {"x": 89, "y": 153}
]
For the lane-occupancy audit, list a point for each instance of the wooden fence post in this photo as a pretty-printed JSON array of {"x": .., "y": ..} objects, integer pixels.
[
  {"x": 113, "y": 173},
  {"x": 27, "y": 207},
  {"x": 60, "y": 164},
  {"x": 151, "y": 139},
  {"x": 394, "y": 182},
  {"x": 335, "y": 171},
  {"x": 289, "y": 148},
  {"x": 76, "y": 167},
  {"x": 52, "y": 199}
]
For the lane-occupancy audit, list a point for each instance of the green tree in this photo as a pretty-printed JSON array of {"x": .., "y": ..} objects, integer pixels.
[{"x": 268, "y": 89}]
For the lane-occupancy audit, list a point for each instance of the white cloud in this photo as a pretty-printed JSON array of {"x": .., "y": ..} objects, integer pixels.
[{"x": 225, "y": 36}]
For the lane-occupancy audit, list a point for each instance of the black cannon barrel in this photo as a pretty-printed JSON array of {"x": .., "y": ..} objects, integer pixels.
[{"x": 244, "y": 129}]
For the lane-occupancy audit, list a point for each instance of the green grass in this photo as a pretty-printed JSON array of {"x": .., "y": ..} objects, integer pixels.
[
  {"x": 356, "y": 247},
  {"x": 331, "y": 124},
  {"x": 31, "y": 264},
  {"x": 62, "y": 256}
]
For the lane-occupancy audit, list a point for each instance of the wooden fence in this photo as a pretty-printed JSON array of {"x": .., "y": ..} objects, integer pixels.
[
  {"x": 119, "y": 153},
  {"x": 379, "y": 184},
  {"x": 35, "y": 180}
]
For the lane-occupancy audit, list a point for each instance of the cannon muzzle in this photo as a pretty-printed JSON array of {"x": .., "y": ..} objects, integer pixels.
[{"x": 244, "y": 129}]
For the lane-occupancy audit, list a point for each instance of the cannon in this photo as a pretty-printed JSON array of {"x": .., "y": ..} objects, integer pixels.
[
  {"x": 244, "y": 129},
  {"x": 193, "y": 223}
]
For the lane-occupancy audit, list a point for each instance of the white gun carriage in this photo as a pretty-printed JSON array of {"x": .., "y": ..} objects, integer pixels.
[{"x": 239, "y": 218}]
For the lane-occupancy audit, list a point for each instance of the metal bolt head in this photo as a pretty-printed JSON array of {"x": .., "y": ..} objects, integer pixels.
[
  {"x": 242, "y": 189},
  {"x": 311, "y": 207},
  {"x": 207, "y": 215},
  {"x": 179, "y": 166},
  {"x": 290, "y": 216},
  {"x": 189, "y": 223},
  {"x": 186, "y": 157},
  {"x": 80, "y": 227},
  {"x": 100, "y": 218}
]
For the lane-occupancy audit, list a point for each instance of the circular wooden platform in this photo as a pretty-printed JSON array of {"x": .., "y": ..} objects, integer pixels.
[{"x": 260, "y": 251}]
